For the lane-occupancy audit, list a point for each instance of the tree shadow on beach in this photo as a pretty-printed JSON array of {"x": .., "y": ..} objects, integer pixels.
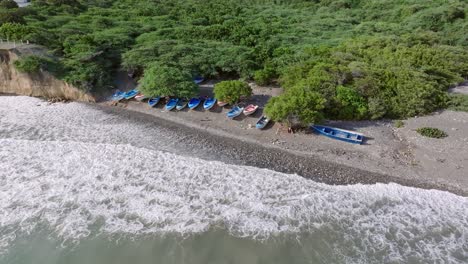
[
  {"x": 258, "y": 99},
  {"x": 216, "y": 109}
]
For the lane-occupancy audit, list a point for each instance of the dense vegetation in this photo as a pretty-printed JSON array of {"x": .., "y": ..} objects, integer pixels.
[
  {"x": 458, "y": 102},
  {"x": 34, "y": 64},
  {"x": 340, "y": 59}
]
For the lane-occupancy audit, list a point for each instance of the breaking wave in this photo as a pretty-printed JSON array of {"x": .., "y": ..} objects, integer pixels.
[{"x": 72, "y": 174}]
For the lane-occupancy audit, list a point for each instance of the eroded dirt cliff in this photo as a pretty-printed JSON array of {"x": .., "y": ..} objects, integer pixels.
[{"x": 41, "y": 84}]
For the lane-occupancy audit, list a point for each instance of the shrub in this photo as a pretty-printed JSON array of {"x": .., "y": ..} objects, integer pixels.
[
  {"x": 11, "y": 16},
  {"x": 8, "y": 4},
  {"x": 398, "y": 124},
  {"x": 162, "y": 80},
  {"x": 29, "y": 64},
  {"x": 264, "y": 76},
  {"x": 431, "y": 132},
  {"x": 296, "y": 104},
  {"x": 458, "y": 102},
  {"x": 232, "y": 91},
  {"x": 14, "y": 31}
]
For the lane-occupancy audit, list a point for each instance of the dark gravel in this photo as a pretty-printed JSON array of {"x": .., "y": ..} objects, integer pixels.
[{"x": 202, "y": 144}]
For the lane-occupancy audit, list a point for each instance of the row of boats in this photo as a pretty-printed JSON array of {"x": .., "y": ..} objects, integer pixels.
[{"x": 179, "y": 104}]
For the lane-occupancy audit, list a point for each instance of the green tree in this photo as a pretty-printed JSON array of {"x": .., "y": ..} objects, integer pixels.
[
  {"x": 11, "y": 16},
  {"x": 162, "y": 80},
  {"x": 264, "y": 76},
  {"x": 29, "y": 64},
  {"x": 14, "y": 31},
  {"x": 296, "y": 104},
  {"x": 350, "y": 105},
  {"x": 232, "y": 91},
  {"x": 8, "y": 4}
]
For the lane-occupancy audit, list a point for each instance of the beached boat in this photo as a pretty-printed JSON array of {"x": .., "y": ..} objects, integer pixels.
[
  {"x": 339, "y": 134},
  {"x": 194, "y": 103},
  {"x": 209, "y": 103},
  {"x": 221, "y": 103},
  {"x": 154, "y": 101},
  {"x": 262, "y": 122},
  {"x": 140, "y": 97},
  {"x": 118, "y": 96},
  {"x": 250, "y": 109},
  {"x": 236, "y": 111},
  {"x": 172, "y": 104},
  {"x": 181, "y": 104},
  {"x": 198, "y": 80},
  {"x": 130, "y": 94}
]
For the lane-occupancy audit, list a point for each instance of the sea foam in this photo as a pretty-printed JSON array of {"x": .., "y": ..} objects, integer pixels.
[{"x": 59, "y": 166}]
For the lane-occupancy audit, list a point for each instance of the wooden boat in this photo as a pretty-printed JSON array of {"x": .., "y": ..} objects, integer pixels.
[
  {"x": 172, "y": 104},
  {"x": 209, "y": 103},
  {"x": 198, "y": 80},
  {"x": 262, "y": 122},
  {"x": 250, "y": 109},
  {"x": 339, "y": 134},
  {"x": 181, "y": 104},
  {"x": 140, "y": 97},
  {"x": 236, "y": 111},
  {"x": 154, "y": 101},
  {"x": 194, "y": 103},
  {"x": 221, "y": 103},
  {"x": 118, "y": 96},
  {"x": 130, "y": 94}
]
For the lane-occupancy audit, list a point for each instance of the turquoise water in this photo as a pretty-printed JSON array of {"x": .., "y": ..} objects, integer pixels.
[{"x": 81, "y": 186}]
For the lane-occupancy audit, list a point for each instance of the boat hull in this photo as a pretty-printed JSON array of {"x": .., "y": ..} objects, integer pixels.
[
  {"x": 194, "y": 103},
  {"x": 339, "y": 134},
  {"x": 262, "y": 122},
  {"x": 221, "y": 104},
  {"x": 181, "y": 106},
  {"x": 140, "y": 97},
  {"x": 250, "y": 109},
  {"x": 130, "y": 94},
  {"x": 209, "y": 103},
  {"x": 171, "y": 104},
  {"x": 153, "y": 101},
  {"x": 235, "y": 112},
  {"x": 198, "y": 80},
  {"x": 118, "y": 96}
]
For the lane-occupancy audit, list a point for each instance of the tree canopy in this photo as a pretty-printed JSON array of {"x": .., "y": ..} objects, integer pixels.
[
  {"x": 232, "y": 91},
  {"x": 160, "y": 80},
  {"x": 8, "y": 4},
  {"x": 365, "y": 58}
]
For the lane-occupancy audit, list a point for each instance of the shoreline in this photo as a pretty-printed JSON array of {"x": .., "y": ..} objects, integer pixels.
[{"x": 239, "y": 149}]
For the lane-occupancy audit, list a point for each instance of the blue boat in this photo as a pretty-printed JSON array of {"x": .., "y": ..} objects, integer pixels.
[
  {"x": 339, "y": 134},
  {"x": 181, "y": 104},
  {"x": 194, "y": 103},
  {"x": 171, "y": 104},
  {"x": 209, "y": 103},
  {"x": 154, "y": 101},
  {"x": 130, "y": 94},
  {"x": 262, "y": 122},
  {"x": 198, "y": 79},
  {"x": 235, "y": 111},
  {"x": 118, "y": 96}
]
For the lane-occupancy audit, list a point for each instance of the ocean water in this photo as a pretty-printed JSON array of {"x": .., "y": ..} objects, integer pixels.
[{"x": 78, "y": 185}]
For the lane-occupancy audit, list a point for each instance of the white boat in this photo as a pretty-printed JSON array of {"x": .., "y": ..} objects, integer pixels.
[
  {"x": 140, "y": 97},
  {"x": 250, "y": 109}
]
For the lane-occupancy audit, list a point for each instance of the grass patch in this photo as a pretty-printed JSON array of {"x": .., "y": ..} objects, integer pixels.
[
  {"x": 399, "y": 124},
  {"x": 431, "y": 132},
  {"x": 458, "y": 102}
]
